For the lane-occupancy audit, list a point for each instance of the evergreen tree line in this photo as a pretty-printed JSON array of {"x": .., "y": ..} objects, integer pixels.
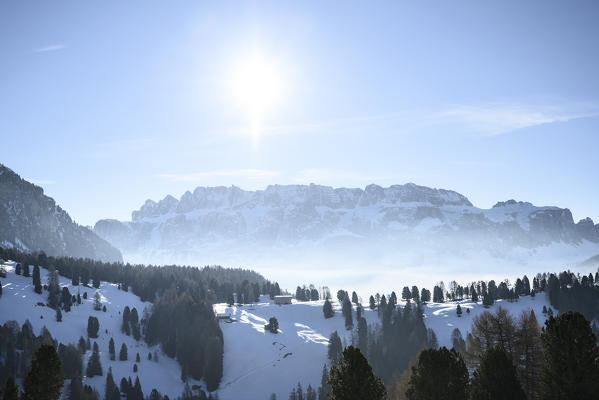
[{"x": 562, "y": 364}]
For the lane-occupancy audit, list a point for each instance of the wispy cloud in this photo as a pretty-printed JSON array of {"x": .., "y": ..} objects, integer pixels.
[
  {"x": 53, "y": 47},
  {"x": 503, "y": 118},
  {"x": 248, "y": 174}
]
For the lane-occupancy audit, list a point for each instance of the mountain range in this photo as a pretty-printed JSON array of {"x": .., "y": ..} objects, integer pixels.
[{"x": 408, "y": 219}]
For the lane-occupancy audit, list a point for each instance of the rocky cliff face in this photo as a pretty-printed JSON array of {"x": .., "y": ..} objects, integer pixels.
[
  {"x": 31, "y": 221},
  {"x": 223, "y": 220}
]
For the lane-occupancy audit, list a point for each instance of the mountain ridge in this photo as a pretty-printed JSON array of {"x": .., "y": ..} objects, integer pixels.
[
  {"x": 221, "y": 220},
  {"x": 32, "y": 221}
]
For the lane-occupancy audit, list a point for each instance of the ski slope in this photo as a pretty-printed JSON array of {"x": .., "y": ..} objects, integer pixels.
[
  {"x": 19, "y": 303},
  {"x": 258, "y": 363}
]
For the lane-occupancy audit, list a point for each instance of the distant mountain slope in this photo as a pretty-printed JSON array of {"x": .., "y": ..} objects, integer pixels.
[
  {"x": 215, "y": 222},
  {"x": 31, "y": 221}
]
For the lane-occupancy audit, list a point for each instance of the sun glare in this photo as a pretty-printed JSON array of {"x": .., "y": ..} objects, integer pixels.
[{"x": 257, "y": 86}]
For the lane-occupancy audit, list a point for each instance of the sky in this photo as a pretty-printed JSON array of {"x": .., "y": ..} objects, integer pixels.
[{"x": 107, "y": 104}]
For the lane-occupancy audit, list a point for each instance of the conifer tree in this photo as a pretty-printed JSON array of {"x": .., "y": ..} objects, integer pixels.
[
  {"x": 459, "y": 310},
  {"x": 93, "y": 326},
  {"x": 324, "y": 391},
  {"x": 11, "y": 390},
  {"x": 425, "y": 295},
  {"x": 18, "y": 269},
  {"x": 371, "y": 303},
  {"x": 94, "y": 367},
  {"x": 37, "y": 282},
  {"x": 0, "y": 289},
  {"x": 44, "y": 380},
  {"x": 123, "y": 353},
  {"x": 438, "y": 375},
  {"x": 496, "y": 378},
  {"x": 415, "y": 294},
  {"x": 327, "y": 309},
  {"x": 570, "y": 370},
  {"x": 353, "y": 379},
  {"x": 111, "y": 350},
  {"x": 138, "y": 393},
  {"x": 58, "y": 315},
  {"x": 125, "y": 327},
  {"x": 335, "y": 350},
  {"x": 272, "y": 326},
  {"x": 354, "y": 297},
  {"x": 26, "y": 272},
  {"x": 347, "y": 313},
  {"x": 110, "y": 385},
  {"x": 97, "y": 302}
]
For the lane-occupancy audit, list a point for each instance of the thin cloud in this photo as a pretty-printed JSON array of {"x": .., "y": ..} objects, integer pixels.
[
  {"x": 249, "y": 174},
  {"x": 499, "y": 119},
  {"x": 53, "y": 47}
]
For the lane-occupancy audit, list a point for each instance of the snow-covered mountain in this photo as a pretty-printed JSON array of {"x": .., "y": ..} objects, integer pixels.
[
  {"x": 407, "y": 224},
  {"x": 31, "y": 221}
]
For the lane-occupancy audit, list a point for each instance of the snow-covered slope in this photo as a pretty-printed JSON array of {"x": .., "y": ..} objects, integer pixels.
[
  {"x": 19, "y": 303},
  {"x": 258, "y": 363}
]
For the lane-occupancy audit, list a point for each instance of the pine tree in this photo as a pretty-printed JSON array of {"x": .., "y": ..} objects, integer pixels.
[
  {"x": 324, "y": 391},
  {"x": 97, "y": 302},
  {"x": 335, "y": 350},
  {"x": 125, "y": 327},
  {"x": 0, "y": 289},
  {"x": 353, "y": 379},
  {"x": 327, "y": 309},
  {"x": 37, "y": 282},
  {"x": 138, "y": 393},
  {"x": 93, "y": 326},
  {"x": 406, "y": 294},
  {"x": 371, "y": 303},
  {"x": 123, "y": 353},
  {"x": 496, "y": 378},
  {"x": 58, "y": 315},
  {"x": 459, "y": 310},
  {"x": 272, "y": 326},
  {"x": 111, "y": 350},
  {"x": 76, "y": 389},
  {"x": 110, "y": 385},
  {"x": 457, "y": 341},
  {"x": 44, "y": 380},
  {"x": 137, "y": 358},
  {"x": 18, "y": 269},
  {"x": 347, "y": 313},
  {"x": 415, "y": 294},
  {"x": 570, "y": 370},
  {"x": 438, "y": 374},
  {"x": 94, "y": 367},
  {"x": 26, "y": 272},
  {"x": 473, "y": 294},
  {"x": 11, "y": 390},
  {"x": 354, "y": 297}
]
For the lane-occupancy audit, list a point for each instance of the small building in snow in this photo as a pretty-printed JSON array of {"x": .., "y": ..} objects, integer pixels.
[{"x": 283, "y": 299}]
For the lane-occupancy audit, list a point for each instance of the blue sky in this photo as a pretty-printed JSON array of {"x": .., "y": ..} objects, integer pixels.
[{"x": 106, "y": 104}]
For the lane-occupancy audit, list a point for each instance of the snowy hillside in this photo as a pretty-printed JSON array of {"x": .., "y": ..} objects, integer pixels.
[
  {"x": 19, "y": 303},
  {"x": 262, "y": 363}
]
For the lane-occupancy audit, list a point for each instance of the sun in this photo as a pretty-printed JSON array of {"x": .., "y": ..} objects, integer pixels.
[{"x": 257, "y": 86}]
